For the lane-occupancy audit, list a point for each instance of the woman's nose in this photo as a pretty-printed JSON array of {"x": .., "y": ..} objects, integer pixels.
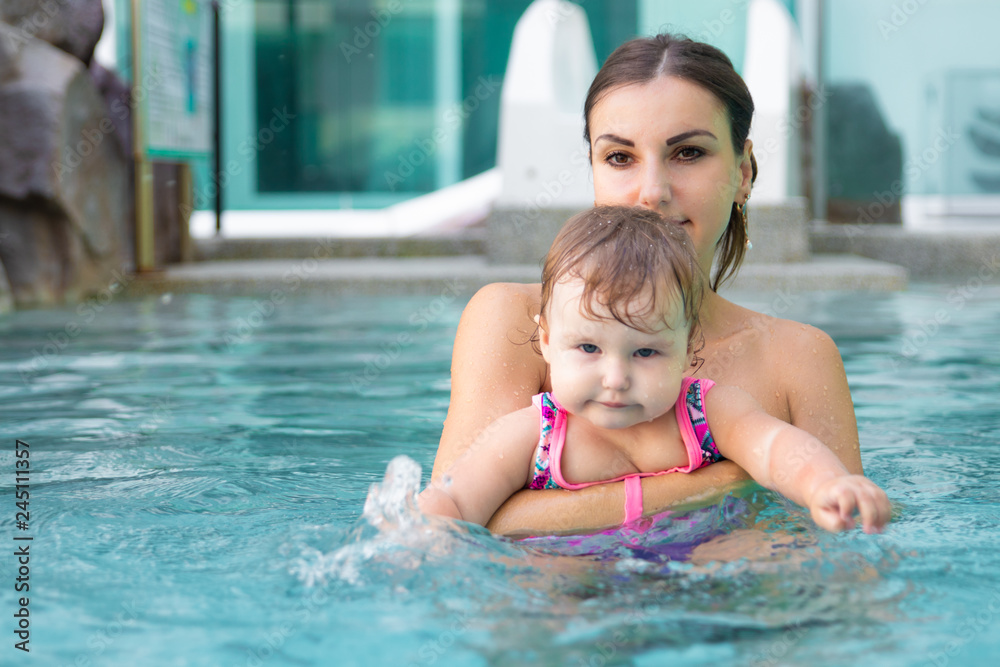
[{"x": 654, "y": 190}]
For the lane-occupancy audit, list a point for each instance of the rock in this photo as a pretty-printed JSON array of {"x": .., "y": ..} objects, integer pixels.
[
  {"x": 6, "y": 298},
  {"x": 117, "y": 97},
  {"x": 64, "y": 193},
  {"x": 864, "y": 158},
  {"x": 74, "y": 26}
]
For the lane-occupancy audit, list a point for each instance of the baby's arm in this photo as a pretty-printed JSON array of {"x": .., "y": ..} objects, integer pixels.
[
  {"x": 793, "y": 463},
  {"x": 492, "y": 468}
]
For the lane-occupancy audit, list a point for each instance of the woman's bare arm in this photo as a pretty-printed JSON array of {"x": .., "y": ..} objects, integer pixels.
[
  {"x": 603, "y": 505},
  {"x": 819, "y": 400},
  {"x": 494, "y": 371}
]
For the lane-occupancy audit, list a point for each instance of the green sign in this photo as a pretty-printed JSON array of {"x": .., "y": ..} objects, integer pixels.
[{"x": 173, "y": 83}]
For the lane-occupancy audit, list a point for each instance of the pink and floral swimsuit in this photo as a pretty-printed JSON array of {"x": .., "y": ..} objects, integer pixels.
[{"x": 691, "y": 420}]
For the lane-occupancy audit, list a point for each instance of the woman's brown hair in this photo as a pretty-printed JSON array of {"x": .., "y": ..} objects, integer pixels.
[{"x": 645, "y": 59}]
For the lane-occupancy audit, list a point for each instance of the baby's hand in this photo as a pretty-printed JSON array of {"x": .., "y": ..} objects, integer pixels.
[{"x": 834, "y": 504}]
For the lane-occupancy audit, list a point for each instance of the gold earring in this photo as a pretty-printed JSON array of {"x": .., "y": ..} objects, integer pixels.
[{"x": 746, "y": 228}]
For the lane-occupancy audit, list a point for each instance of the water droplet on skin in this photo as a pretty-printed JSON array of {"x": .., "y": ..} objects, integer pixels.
[
  {"x": 501, "y": 455},
  {"x": 446, "y": 480}
]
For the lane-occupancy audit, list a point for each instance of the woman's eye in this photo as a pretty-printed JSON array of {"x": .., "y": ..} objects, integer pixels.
[
  {"x": 589, "y": 348},
  {"x": 645, "y": 352},
  {"x": 617, "y": 159},
  {"x": 690, "y": 153}
]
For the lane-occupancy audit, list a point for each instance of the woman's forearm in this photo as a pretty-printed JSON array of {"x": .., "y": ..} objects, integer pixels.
[
  {"x": 603, "y": 505},
  {"x": 532, "y": 512},
  {"x": 701, "y": 487}
]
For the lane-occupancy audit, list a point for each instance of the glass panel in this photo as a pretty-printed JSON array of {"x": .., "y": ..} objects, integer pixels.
[
  {"x": 487, "y": 31},
  {"x": 361, "y": 77}
]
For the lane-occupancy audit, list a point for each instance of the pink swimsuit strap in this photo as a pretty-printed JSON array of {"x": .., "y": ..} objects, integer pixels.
[{"x": 692, "y": 439}]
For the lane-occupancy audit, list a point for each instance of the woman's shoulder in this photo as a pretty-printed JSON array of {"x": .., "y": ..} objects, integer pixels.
[
  {"x": 529, "y": 293},
  {"x": 783, "y": 336},
  {"x": 803, "y": 341},
  {"x": 798, "y": 353},
  {"x": 503, "y": 304}
]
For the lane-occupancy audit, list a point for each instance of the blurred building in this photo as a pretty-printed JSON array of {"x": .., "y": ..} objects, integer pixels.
[{"x": 360, "y": 104}]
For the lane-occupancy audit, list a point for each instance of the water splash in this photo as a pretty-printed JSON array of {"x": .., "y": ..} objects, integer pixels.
[
  {"x": 393, "y": 546},
  {"x": 393, "y": 503}
]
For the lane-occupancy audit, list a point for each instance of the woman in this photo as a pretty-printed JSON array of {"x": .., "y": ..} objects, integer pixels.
[{"x": 667, "y": 122}]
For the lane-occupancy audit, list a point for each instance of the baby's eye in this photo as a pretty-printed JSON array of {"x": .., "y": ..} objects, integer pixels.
[
  {"x": 589, "y": 348},
  {"x": 645, "y": 352}
]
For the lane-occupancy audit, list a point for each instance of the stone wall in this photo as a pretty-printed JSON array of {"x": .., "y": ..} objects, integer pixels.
[{"x": 65, "y": 195}]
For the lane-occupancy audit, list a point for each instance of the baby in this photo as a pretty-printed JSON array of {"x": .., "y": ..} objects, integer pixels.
[{"x": 618, "y": 326}]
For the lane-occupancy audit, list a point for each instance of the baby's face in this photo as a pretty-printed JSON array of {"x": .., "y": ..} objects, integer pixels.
[{"x": 607, "y": 372}]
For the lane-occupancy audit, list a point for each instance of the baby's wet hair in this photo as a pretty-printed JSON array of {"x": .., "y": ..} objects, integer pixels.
[{"x": 623, "y": 255}]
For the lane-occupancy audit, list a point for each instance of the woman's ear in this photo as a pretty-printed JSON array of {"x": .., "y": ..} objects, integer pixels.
[{"x": 746, "y": 172}]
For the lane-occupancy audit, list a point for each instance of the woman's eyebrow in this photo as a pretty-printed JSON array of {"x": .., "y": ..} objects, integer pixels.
[
  {"x": 687, "y": 135},
  {"x": 614, "y": 138}
]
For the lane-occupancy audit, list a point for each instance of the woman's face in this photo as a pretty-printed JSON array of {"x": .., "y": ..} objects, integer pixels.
[{"x": 665, "y": 145}]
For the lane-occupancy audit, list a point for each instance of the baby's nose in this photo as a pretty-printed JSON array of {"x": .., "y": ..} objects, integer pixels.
[{"x": 616, "y": 375}]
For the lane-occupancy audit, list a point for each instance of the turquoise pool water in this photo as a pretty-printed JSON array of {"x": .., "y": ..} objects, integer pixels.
[{"x": 200, "y": 468}]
